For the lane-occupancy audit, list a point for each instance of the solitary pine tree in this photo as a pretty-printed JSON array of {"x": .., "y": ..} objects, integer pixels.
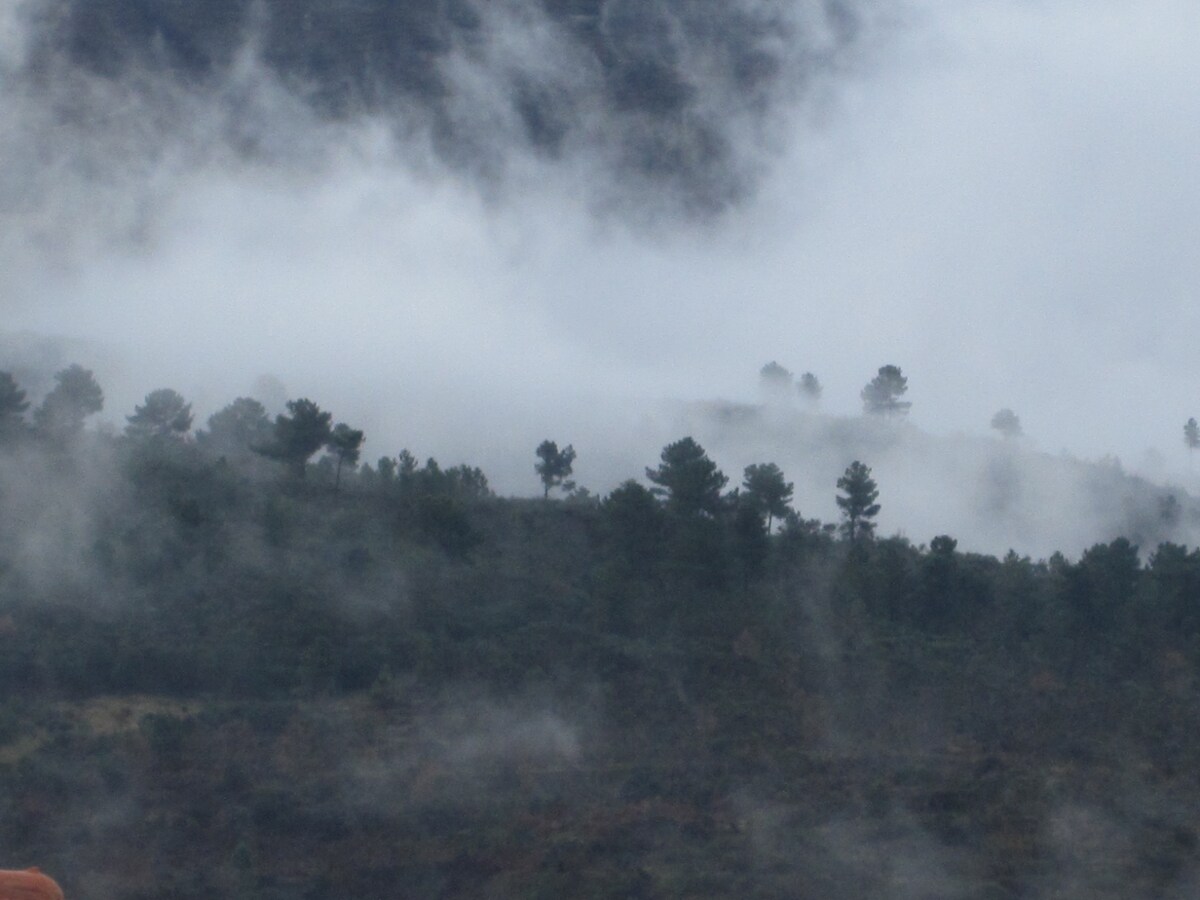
[
  {"x": 766, "y": 491},
  {"x": 689, "y": 480},
  {"x": 1191, "y": 434},
  {"x": 882, "y": 394},
  {"x": 554, "y": 465},
  {"x": 858, "y": 505}
]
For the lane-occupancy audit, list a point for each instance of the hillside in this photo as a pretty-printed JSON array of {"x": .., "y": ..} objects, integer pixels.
[{"x": 223, "y": 680}]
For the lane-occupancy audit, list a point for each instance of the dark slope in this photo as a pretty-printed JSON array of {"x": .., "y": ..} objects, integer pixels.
[{"x": 220, "y": 681}]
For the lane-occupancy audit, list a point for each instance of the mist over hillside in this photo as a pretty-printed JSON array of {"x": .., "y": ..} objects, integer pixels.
[
  {"x": 607, "y": 203},
  {"x": 991, "y": 493},
  {"x": 238, "y": 659}
]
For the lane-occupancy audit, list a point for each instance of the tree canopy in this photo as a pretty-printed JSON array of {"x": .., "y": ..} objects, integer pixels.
[
  {"x": 75, "y": 396},
  {"x": 554, "y": 466},
  {"x": 345, "y": 444},
  {"x": 858, "y": 504},
  {"x": 297, "y": 436},
  {"x": 690, "y": 481},
  {"x": 882, "y": 394},
  {"x": 810, "y": 387},
  {"x": 238, "y": 429},
  {"x": 776, "y": 381},
  {"x": 766, "y": 491},
  {"x": 165, "y": 414}
]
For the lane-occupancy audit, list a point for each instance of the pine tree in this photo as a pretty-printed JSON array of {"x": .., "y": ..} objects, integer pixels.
[
  {"x": 858, "y": 505},
  {"x": 689, "y": 480},
  {"x": 554, "y": 465},
  {"x": 767, "y": 492},
  {"x": 345, "y": 444},
  {"x": 298, "y": 436},
  {"x": 882, "y": 394},
  {"x": 165, "y": 414},
  {"x": 75, "y": 396}
]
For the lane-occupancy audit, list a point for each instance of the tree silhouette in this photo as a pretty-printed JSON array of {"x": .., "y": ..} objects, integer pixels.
[
  {"x": 237, "y": 429},
  {"x": 75, "y": 396},
  {"x": 882, "y": 394},
  {"x": 298, "y": 436},
  {"x": 345, "y": 443},
  {"x": 12, "y": 408},
  {"x": 766, "y": 491},
  {"x": 554, "y": 465},
  {"x": 165, "y": 414},
  {"x": 858, "y": 505},
  {"x": 810, "y": 387},
  {"x": 1191, "y": 434},
  {"x": 689, "y": 480},
  {"x": 776, "y": 381},
  {"x": 1007, "y": 423}
]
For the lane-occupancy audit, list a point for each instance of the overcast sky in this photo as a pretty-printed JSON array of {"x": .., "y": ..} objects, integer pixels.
[{"x": 1000, "y": 197}]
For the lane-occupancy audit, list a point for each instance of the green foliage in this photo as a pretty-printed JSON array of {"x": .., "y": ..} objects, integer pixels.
[
  {"x": 766, "y": 491},
  {"x": 237, "y": 430},
  {"x": 882, "y": 394},
  {"x": 345, "y": 443},
  {"x": 297, "y": 436},
  {"x": 1175, "y": 574},
  {"x": 460, "y": 483},
  {"x": 750, "y": 539},
  {"x": 1104, "y": 584},
  {"x": 554, "y": 466},
  {"x": 164, "y": 415},
  {"x": 690, "y": 481},
  {"x": 443, "y": 518},
  {"x": 634, "y": 526},
  {"x": 75, "y": 396},
  {"x": 858, "y": 504}
]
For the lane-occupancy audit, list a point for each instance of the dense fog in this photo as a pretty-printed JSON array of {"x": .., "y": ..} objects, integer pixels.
[{"x": 468, "y": 228}]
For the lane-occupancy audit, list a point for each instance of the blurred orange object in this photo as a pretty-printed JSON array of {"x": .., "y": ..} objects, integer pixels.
[{"x": 28, "y": 884}]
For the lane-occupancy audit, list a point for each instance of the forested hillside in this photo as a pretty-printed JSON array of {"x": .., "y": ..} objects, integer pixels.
[{"x": 233, "y": 666}]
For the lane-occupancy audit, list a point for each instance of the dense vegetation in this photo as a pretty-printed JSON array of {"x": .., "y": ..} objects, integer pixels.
[{"x": 230, "y": 671}]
